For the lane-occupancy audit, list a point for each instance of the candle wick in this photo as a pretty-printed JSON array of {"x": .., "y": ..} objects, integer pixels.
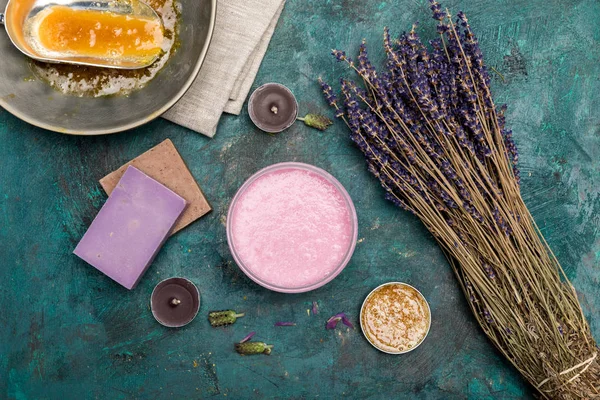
[
  {"x": 274, "y": 109},
  {"x": 175, "y": 302}
]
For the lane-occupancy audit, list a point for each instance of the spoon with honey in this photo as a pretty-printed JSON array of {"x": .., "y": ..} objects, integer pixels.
[{"x": 123, "y": 34}]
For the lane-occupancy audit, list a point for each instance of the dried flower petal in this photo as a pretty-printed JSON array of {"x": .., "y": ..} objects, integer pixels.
[
  {"x": 248, "y": 337},
  {"x": 347, "y": 322},
  {"x": 283, "y": 323},
  {"x": 315, "y": 308},
  {"x": 333, "y": 321}
]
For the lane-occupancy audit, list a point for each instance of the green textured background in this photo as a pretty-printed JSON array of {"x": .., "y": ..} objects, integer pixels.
[{"x": 68, "y": 332}]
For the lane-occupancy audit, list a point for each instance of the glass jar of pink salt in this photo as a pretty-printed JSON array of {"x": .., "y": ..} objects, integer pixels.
[{"x": 292, "y": 227}]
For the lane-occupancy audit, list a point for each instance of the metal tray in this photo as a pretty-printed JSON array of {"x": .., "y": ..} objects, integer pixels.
[{"x": 37, "y": 103}]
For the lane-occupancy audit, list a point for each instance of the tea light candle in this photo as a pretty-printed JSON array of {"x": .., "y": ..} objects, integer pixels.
[
  {"x": 273, "y": 108},
  {"x": 292, "y": 227},
  {"x": 175, "y": 302}
]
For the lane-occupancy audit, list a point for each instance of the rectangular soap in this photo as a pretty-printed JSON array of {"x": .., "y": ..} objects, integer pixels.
[{"x": 130, "y": 228}]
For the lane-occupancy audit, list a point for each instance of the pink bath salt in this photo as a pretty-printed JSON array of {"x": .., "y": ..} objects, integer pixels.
[{"x": 292, "y": 228}]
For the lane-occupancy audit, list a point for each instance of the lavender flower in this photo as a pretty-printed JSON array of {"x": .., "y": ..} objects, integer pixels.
[
  {"x": 437, "y": 10},
  {"x": 328, "y": 93},
  {"x": 488, "y": 317},
  {"x": 469, "y": 288},
  {"x": 364, "y": 65},
  {"x": 501, "y": 223},
  {"x": 425, "y": 109},
  {"x": 489, "y": 271},
  {"x": 340, "y": 55},
  {"x": 390, "y": 196}
]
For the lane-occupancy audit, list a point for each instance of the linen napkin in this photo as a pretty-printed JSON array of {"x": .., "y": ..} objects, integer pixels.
[{"x": 242, "y": 34}]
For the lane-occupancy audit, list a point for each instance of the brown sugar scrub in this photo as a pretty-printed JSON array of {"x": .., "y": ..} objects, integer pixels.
[
  {"x": 82, "y": 81},
  {"x": 395, "y": 318}
]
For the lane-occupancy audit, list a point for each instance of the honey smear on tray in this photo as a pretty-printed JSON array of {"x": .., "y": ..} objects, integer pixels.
[
  {"x": 61, "y": 31},
  {"x": 81, "y": 80},
  {"x": 395, "y": 318}
]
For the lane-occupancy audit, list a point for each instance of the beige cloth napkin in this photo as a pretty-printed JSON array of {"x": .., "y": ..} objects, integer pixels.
[{"x": 242, "y": 34}]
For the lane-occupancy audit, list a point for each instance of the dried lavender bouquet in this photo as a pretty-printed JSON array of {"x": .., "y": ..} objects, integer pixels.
[{"x": 432, "y": 135}]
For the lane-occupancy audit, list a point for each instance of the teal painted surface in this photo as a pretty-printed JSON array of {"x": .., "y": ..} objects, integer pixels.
[{"x": 68, "y": 332}]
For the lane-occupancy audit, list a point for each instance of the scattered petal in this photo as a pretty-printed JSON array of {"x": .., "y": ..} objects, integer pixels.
[
  {"x": 283, "y": 323},
  {"x": 347, "y": 322},
  {"x": 333, "y": 321},
  {"x": 315, "y": 308},
  {"x": 250, "y": 335}
]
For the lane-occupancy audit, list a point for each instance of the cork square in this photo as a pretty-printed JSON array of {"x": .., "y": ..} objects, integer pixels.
[{"x": 164, "y": 164}]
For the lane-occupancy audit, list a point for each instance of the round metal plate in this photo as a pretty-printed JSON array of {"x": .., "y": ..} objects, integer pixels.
[{"x": 39, "y": 104}]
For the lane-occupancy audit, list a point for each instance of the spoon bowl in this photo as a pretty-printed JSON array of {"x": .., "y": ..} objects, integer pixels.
[{"x": 20, "y": 15}]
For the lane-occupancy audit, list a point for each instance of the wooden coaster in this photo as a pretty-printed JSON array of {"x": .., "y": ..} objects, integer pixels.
[{"x": 164, "y": 164}]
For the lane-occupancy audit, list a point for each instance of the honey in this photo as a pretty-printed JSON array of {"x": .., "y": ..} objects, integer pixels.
[
  {"x": 395, "y": 318},
  {"x": 97, "y": 34},
  {"x": 82, "y": 80}
]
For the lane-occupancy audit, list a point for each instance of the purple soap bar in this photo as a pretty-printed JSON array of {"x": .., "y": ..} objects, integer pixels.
[{"x": 130, "y": 228}]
